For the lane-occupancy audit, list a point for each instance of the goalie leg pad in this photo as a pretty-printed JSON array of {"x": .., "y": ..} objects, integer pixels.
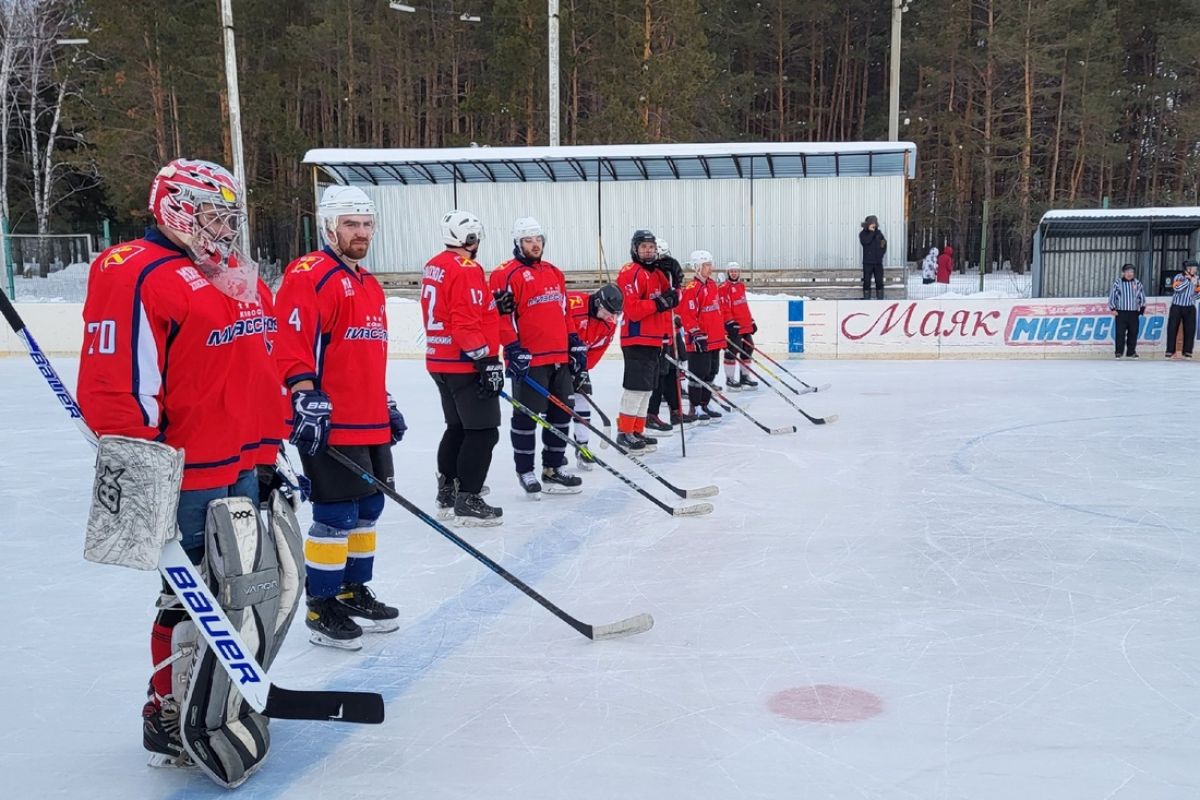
[{"x": 220, "y": 731}]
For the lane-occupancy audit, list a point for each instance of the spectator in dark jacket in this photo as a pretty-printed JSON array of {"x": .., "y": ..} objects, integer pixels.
[
  {"x": 945, "y": 264},
  {"x": 874, "y": 244}
]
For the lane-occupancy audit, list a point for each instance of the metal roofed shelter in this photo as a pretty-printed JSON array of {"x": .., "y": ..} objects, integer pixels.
[
  {"x": 770, "y": 206},
  {"x": 1078, "y": 253}
]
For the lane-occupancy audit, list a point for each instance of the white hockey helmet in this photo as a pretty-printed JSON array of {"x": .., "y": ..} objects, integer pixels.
[
  {"x": 527, "y": 228},
  {"x": 732, "y": 270},
  {"x": 461, "y": 229},
  {"x": 661, "y": 246},
  {"x": 699, "y": 257},
  {"x": 341, "y": 201}
]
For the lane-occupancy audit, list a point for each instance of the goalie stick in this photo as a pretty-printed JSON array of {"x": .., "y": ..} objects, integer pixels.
[
  {"x": 178, "y": 571},
  {"x": 639, "y": 623},
  {"x": 728, "y": 404},
  {"x": 695, "y": 510},
  {"x": 704, "y": 491}
]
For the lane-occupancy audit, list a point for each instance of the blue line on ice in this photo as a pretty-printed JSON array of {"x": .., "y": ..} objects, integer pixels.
[
  {"x": 409, "y": 655},
  {"x": 963, "y": 468}
]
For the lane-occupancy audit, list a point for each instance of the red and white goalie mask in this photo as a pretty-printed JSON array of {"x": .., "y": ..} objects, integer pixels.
[{"x": 200, "y": 205}]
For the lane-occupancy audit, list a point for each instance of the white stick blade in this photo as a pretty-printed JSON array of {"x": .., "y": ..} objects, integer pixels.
[
  {"x": 697, "y": 510},
  {"x": 626, "y": 627},
  {"x": 825, "y": 387},
  {"x": 703, "y": 491},
  {"x": 779, "y": 431},
  {"x": 831, "y": 418}
]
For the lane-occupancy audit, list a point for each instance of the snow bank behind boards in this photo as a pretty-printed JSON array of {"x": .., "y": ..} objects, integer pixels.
[{"x": 936, "y": 328}]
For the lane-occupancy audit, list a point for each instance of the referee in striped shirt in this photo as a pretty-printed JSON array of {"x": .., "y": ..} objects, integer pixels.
[
  {"x": 1186, "y": 290},
  {"x": 1127, "y": 301}
]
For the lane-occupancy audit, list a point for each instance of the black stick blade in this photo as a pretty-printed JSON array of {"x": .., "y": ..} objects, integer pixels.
[{"x": 364, "y": 708}]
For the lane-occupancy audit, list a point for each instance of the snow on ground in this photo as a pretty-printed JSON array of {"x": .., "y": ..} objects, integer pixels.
[
  {"x": 67, "y": 285},
  {"x": 995, "y": 285},
  {"x": 979, "y": 583}
]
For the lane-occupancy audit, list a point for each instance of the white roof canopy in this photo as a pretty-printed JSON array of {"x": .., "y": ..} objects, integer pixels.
[{"x": 625, "y": 162}]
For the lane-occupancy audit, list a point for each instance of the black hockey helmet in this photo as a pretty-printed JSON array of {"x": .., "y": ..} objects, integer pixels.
[
  {"x": 639, "y": 236},
  {"x": 608, "y": 297}
]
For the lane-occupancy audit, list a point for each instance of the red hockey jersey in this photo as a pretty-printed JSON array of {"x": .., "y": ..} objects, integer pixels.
[
  {"x": 276, "y": 425},
  {"x": 596, "y": 333},
  {"x": 643, "y": 323},
  {"x": 166, "y": 356},
  {"x": 540, "y": 321},
  {"x": 702, "y": 310},
  {"x": 332, "y": 322},
  {"x": 459, "y": 312},
  {"x": 736, "y": 306}
]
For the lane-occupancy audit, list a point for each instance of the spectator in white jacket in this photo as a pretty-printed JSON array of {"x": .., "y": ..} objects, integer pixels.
[{"x": 929, "y": 266}]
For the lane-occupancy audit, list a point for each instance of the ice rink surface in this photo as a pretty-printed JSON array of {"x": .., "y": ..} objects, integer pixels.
[{"x": 982, "y": 582}]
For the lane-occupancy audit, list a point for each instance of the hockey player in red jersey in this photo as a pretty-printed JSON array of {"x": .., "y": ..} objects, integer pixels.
[
  {"x": 594, "y": 317},
  {"x": 539, "y": 342},
  {"x": 667, "y": 388},
  {"x": 739, "y": 329},
  {"x": 462, "y": 354},
  {"x": 275, "y": 415},
  {"x": 703, "y": 318},
  {"x": 331, "y": 350},
  {"x": 183, "y": 295},
  {"x": 646, "y": 283}
]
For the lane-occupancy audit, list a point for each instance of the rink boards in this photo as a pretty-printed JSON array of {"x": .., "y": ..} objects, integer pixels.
[{"x": 932, "y": 328}]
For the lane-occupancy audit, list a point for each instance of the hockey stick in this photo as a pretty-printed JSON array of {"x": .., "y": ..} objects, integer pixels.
[
  {"x": 695, "y": 510},
  {"x": 626, "y": 627},
  {"x": 730, "y": 405},
  {"x": 180, "y": 574},
  {"x": 587, "y": 398},
  {"x": 822, "y": 388},
  {"x": 742, "y": 352},
  {"x": 705, "y": 491},
  {"x": 678, "y": 385},
  {"x": 788, "y": 400}
]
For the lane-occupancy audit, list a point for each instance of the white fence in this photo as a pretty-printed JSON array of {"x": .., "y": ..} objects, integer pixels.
[{"x": 945, "y": 328}]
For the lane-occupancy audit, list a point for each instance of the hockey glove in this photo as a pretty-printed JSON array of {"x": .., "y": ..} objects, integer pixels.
[
  {"x": 518, "y": 359},
  {"x": 670, "y": 267},
  {"x": 667, "y": 300},
  {"x": 395, "y": 421},
  {"x": 577, "y": 352},
  {"x": 700, "y": 342},
  {"x": 753, "y": 328},
  {"x": 583, "y": 382},
  {"x": 491, "y": 376},
  {"x": 311, "y": 409},
  {"x": 505, "y": 302},
  {"x": 731, "y": 328}
]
